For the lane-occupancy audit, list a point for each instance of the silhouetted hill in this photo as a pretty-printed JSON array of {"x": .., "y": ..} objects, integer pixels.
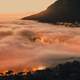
[{"x": 60, "y": 11}]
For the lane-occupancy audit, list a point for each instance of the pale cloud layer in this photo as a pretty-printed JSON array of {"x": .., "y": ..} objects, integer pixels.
[{"x": 31, "y": 43}]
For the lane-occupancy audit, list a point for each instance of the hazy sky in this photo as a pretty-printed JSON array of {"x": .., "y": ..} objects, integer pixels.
[
  {"x": 15, "y": 9},
  {"x": 20, "y": 6}
]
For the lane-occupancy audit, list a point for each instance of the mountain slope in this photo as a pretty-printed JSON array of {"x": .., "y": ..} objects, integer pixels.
[{"x": 60, "y": 11}]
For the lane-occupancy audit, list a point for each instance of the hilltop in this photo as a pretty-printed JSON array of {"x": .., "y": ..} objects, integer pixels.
[{"x": 60, "y": 11}]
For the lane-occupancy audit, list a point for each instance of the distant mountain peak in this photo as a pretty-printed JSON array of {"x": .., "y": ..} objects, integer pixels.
[{"x": 60, "y": 11}]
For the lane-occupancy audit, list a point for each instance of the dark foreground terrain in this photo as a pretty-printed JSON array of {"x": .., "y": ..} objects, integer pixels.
[{"x": 67, "y": 71}]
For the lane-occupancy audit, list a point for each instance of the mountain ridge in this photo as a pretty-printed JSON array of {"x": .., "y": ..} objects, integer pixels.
[{"x": 60, "y": 11}]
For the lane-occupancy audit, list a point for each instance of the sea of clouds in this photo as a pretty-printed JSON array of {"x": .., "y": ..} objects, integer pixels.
[{"x": 32, "y": 43}]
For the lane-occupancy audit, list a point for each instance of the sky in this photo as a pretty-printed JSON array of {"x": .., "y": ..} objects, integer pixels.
[{"x": 21, "y": 7}]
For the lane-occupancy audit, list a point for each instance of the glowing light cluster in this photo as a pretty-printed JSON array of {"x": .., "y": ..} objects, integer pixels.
[{"x": 38, "y": 68}]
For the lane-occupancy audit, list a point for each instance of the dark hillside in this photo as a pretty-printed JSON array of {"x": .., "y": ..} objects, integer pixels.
[{"x": 60, "y": 11}]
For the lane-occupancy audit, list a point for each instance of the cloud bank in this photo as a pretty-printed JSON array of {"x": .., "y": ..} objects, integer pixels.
[{"x": 29, "y": 43}]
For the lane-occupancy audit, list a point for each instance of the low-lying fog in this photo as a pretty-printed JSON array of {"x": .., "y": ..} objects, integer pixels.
[{"x": 32, "y": 43}]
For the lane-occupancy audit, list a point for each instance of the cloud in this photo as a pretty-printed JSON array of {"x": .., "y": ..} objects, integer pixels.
[
  {"x": 35, "y": 43},
  {"x": 5, "y": 33},
  {"x": 27, "y": 34}
]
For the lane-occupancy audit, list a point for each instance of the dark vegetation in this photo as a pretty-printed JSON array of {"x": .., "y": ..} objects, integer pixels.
[
  {"x": 66, "y": 71},
  {"x": 62, "y": 11}
]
